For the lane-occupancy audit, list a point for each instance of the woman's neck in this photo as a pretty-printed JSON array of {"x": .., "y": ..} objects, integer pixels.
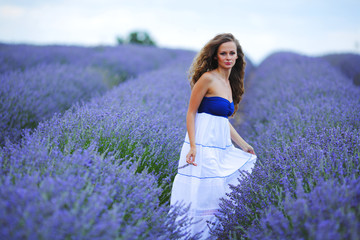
[{"x": 223, "y": 73}]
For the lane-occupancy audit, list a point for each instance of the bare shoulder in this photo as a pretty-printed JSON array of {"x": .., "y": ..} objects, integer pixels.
[{"x": 206, "y": 78}]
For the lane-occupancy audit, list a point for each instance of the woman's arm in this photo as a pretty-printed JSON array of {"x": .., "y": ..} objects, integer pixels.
[
  {"x": 240, "y": 141},
  {"x": 199, "y": 90}
]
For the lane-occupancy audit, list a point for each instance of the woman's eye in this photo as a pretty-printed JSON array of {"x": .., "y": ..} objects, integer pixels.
[{"x": 222, "y": 53}]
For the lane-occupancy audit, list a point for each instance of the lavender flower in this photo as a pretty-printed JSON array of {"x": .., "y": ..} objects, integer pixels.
[
  {"x": 82, "y": 196},
  {"x": 38, "y": 81},
  {"x": 348, "y": 64},
  {"x": 329, "y": 211},
  {"x": 36, "y": 94}
]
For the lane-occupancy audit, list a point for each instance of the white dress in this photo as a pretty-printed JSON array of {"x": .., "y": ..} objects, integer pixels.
[{"x": 218, "y": 162}]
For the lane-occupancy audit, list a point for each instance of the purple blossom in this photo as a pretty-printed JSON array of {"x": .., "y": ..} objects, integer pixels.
[
  {"x": 36, "y": 94},
  {"x": 329, "y": 211},
  {"x": 346, "y": 63},
  {"x": 38, "y": 81}
]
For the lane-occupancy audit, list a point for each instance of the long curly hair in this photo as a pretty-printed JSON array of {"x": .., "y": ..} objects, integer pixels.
[{"x": 205, "y": 61}]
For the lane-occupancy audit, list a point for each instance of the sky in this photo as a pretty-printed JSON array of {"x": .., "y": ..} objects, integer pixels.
[{"x": 311, "y": 27}]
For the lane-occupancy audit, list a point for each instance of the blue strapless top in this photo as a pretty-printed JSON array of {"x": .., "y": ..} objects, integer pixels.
[{"x": 217, "y": 106}]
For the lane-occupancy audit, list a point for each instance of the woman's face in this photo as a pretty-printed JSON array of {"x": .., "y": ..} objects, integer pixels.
[{"x": 226, "y": 55}]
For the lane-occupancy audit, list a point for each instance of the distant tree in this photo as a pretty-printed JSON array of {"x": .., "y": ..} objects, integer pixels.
[
  {"x": 120, "y": 40},
  {"x": 136, "y": 37},
  {"x": 140, "y": 37}
]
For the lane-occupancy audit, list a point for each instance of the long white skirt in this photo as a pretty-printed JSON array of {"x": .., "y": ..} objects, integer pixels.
[{"x": 218, "y": 162}]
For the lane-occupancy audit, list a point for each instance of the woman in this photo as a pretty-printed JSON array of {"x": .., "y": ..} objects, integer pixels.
[{"x": 208, "y": 160}]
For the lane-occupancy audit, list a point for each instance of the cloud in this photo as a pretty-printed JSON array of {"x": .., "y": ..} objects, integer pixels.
[{"x": 11, "y": 12}]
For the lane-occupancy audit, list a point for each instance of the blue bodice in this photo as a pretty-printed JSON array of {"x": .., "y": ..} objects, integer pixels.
[{"x": 218, "y": 106}]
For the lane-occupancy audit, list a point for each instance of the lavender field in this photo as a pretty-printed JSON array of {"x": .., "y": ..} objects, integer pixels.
[
  {"x": 39, "y": 81},
  {"x": 102, "y": 167}
]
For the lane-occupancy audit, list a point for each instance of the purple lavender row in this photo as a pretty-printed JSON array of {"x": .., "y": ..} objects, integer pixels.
[
  {"x": 82, "y": 196},
  {"x": 347, "y": 63},
  {"x": 23, "y": 56},
  {"x": 125, "y": 59},
  {"x": 329, "y": 211},
  {"x": 55, "y": 77},
  {"x": 36, "y": 94},
  {"x": 302, "y": 116},
  {"x": 94, "y": 172}
]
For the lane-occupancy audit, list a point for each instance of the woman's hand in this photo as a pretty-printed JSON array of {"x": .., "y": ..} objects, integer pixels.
[
  {"x": 190, "y": 157},
  {"x": 249, "y": 149},
  {"x": 240, "y": 141}
]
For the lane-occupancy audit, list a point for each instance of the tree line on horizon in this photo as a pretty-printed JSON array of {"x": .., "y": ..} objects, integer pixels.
[{"x": 136, "y": 37}]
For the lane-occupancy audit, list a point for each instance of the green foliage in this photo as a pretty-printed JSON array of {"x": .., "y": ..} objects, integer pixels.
[
  {"x": 136, "y": 37},
  {"x": 120, "y": 40}
]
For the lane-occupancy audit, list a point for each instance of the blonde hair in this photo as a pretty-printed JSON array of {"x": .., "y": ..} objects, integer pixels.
[{"x": 205, "y": 61}]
